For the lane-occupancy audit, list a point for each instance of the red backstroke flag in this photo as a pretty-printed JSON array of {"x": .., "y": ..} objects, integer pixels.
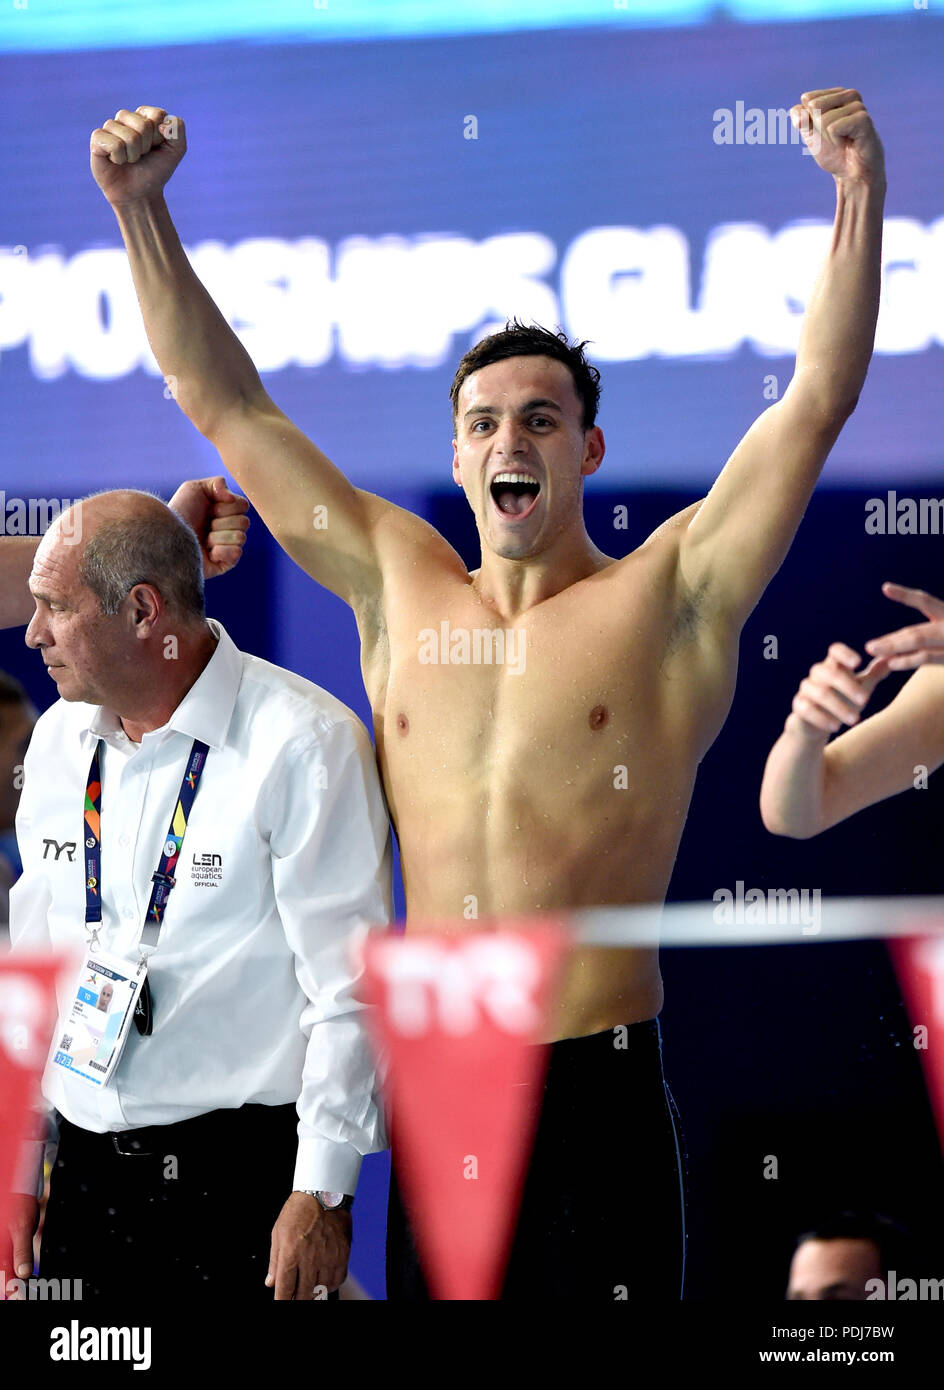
[
  {"x": 919, "y": 963},
  {"x": 27, "y": 1017},
  {"x": 457, "y": 1020}
]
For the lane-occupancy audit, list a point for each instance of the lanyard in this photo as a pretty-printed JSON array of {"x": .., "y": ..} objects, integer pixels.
[{"x": 163, "y": 879}]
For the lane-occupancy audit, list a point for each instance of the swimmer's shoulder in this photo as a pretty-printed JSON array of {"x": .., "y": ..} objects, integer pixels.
[{"x": 659, "y": 550}]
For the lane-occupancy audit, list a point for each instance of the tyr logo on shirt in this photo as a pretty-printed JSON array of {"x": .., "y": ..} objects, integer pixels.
[
  {"x": 206, "y": 870},
  {"x": 67, "y": 845}
]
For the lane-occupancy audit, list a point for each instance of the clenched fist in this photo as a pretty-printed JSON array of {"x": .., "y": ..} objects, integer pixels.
[
  {"x": 134, "y": 155},
  {"x": 218, "y": 516},
  {"x": 839, "y": 134}
]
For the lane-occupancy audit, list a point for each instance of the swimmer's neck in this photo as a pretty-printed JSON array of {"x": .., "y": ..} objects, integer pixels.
[{"x": 512, "y": 586}]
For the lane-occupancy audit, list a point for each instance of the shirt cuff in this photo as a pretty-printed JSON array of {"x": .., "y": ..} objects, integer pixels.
[{"x": 324, "y": 1165}]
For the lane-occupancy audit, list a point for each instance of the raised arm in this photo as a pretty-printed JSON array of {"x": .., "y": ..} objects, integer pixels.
[
  {"x": 338, "y": 533},
  {"x": 809, "y": 786},
  {"x": 740, "y": 535}
]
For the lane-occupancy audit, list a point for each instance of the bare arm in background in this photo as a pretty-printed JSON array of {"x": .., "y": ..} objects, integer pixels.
[{"x": 809, "y": 786}]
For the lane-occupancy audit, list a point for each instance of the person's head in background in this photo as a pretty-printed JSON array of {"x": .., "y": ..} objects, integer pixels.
[
  {"x": 17, "y": 717},
  {"x": 835, "y": 1260}
]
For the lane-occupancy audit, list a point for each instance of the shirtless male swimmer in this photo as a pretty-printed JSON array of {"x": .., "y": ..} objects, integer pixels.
[{"x": 500, "y": 780}]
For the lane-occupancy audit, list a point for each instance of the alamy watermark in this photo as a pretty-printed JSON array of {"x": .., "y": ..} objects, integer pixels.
[
  {"x": 31, "y": 516},
  {"x": 43, "y": 1290},
  {"x": 892, "y": 515},
  {"x": 754, "y": 126},
  {"x": 78, "y": 1343},
  {"x": 795, "y": 907},
  {"x": 478, "y": 646},
  {"x": 894, "y": 1289}
]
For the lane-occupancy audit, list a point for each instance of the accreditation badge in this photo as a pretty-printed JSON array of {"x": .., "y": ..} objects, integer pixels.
[{"x": 90, "y": 1039}]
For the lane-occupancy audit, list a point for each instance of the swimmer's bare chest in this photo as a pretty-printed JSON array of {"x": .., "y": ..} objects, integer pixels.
[{"x": 547, "y": 762}]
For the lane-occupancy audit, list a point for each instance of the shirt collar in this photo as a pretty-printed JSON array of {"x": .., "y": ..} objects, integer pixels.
[{"x": 205, "y": 711}]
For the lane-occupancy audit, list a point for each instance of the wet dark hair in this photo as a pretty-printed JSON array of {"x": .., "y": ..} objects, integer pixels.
[
  {"x": 520, "y": 340},
  {"x": 894, "y": 1242}
]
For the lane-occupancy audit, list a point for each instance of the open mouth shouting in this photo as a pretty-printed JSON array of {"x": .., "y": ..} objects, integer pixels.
[{"x": 515, "y": 494}]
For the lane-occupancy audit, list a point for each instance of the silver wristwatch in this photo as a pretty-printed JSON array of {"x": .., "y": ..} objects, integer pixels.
[{"x": 331, "y": 1201}]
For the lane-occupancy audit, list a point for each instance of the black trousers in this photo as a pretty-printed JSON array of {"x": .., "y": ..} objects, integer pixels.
[
  {"x": 194, "y": 1217},
  {"x": 602, "y": 1217}
]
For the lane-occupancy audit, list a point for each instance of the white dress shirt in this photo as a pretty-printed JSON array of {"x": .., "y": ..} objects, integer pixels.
[{"x": 285, "y": 863}]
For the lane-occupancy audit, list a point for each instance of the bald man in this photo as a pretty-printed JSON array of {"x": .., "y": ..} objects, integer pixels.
[{"x": 218, "y": 824}]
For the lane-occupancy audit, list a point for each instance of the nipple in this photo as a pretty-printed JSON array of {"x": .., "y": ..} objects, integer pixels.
[{"x": 598, "y": 716}]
